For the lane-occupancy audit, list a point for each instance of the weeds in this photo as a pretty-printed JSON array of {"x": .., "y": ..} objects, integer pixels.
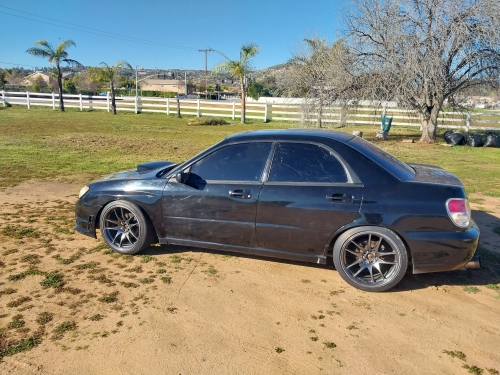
[
  {"x": 279, "y": 350},
  {"x": 109, "y": 298},
  {"x": 455, "y": 354},
  {"x": 8, "y": 291},
  {"x": 44, "y": 318},
  {"x": 17, "y": 322},
  {"x": 329, "y": 345},
  {"x": 69, "y": 260},
  {"x": 19, "y": 232},
  {"x": 471, "y": 289},
  {"x": 166, "y": 279},
  {"x": 62, "y": 328},
  {"x": 18, "y": 302},
  {"x": 53, "y": 280},
  {"x": 473, "y": 369},
  {"x": 8, "y": 349}
]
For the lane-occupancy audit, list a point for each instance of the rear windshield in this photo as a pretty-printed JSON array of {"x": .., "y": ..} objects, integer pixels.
[{"x": 395, "y": 166}]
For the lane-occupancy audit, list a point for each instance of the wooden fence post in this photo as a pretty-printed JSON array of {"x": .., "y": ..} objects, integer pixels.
[
  {"x": 28, "y": 98},
  {"x": 234, "y": 109},
  {"x": 136, "y": 104},
  {"x": 265, "y": 113},
  {"x": 53, "y": 101},
  {"x": 3, "y": 98},
  {"x": 81, "y": 102},
  {"x": 467, "y": 121},
  {"x": 198, "y": 109},
  {"x": 168, "y": 106}
]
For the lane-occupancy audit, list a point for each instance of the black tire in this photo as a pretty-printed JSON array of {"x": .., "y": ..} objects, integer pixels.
[
  {"x": 373, "y": 259},
  {"x": 125, "y": 228}
]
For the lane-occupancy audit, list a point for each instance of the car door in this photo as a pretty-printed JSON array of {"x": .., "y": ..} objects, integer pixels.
[
  {"x": 308, "y": 195},
  {"x": 218, "y": 201}
]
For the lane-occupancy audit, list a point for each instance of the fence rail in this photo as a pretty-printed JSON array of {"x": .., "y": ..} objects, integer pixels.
[{"x": 355, "y": 115}]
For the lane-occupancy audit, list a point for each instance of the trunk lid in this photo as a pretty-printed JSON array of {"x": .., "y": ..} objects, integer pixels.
[{"x": 432, "y": 174}]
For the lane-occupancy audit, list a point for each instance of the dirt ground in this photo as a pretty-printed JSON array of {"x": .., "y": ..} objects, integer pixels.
[{"x": 176, "y": 310}]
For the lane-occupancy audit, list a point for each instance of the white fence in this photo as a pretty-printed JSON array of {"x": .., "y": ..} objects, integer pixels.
[{"x": 356, "y": 114}]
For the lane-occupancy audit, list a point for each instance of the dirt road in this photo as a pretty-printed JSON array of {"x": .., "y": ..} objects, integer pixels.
[{"x": 177, "y": 310}]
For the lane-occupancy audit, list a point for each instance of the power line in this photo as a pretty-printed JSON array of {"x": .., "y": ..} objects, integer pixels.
[
  {"x": 32, "y": 66},
  {"x": 99, "y": 33}
]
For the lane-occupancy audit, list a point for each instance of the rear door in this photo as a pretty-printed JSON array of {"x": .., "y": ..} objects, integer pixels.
[{"x": 308, "y": 195}]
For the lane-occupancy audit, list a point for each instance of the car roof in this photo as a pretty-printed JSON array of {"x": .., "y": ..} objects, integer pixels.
[{"x": 288, "y": 134}]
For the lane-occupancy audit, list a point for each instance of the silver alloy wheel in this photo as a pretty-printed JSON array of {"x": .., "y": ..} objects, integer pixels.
[
  {"x": 122, "y": 228},
  {"x": 370, "y": 258}
]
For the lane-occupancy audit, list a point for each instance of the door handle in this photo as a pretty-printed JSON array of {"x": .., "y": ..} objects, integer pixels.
[
  {"x": 339, "y": 197},
  {"x": 245, "y": 194}
]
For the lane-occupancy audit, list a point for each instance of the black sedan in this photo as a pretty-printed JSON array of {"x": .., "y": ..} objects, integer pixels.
[{"x": 293, "y": 194}]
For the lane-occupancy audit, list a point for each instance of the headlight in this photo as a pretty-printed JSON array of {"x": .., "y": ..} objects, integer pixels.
[{"x": 83, "y": 190}]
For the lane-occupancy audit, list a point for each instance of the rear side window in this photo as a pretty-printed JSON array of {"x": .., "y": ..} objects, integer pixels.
[
  {"x": 240, "y": 162},
  {"x": 395, "y": 166},
  {"x": 303, "y": 162}
]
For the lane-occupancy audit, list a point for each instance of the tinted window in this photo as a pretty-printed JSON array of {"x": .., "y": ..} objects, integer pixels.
[
  {"x": 241, "y": 162},
  {"x": 401, "y": 170},
  {"x": 300, "y": 162}
]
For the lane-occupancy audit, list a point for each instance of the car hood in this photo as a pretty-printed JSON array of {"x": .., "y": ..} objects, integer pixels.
[
  {"x": 434, "y": 175},
  {"x": 142, "y": 172}
]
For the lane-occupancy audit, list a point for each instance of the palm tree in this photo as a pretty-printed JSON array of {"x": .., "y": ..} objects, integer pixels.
[
  {"x": 239, "y": 69},
  {"x": 55, "y": 56},
  {"x": 108, "y": 74}
]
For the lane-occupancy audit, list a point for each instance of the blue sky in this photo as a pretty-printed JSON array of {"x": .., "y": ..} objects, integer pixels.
[{"x": 170, "y": 32}]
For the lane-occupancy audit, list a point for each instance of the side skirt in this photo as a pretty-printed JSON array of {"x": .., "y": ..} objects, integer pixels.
[{"x": 319, "y": 259}]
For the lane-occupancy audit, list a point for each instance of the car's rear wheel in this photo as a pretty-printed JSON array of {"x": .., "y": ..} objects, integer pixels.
[
  {"x": 125, "y": 228},
  {"x": 370, "y": 258}
]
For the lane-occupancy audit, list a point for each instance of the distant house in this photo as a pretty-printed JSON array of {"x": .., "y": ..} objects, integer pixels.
[
  {"x": 166, "y": 85},
  {"x": 29, "y": 80}
]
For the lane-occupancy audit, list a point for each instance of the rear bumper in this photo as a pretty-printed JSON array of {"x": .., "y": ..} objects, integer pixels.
[{"x": 442, "y": 251}]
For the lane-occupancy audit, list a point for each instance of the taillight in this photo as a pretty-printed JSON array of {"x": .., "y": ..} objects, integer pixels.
[{"x": 459, "y": 211}]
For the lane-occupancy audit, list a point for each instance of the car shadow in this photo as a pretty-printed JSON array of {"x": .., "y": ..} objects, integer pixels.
[{"x": 488, "y": 274}]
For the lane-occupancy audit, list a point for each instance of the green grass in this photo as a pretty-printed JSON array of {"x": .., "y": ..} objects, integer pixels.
[{"x": 42, "y": 143}]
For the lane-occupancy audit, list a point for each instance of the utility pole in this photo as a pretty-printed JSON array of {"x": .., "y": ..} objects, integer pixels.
[{"x": 206, "y": 80}]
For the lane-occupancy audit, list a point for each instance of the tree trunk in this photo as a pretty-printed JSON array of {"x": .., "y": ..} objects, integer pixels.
[
  {"x": 59, "y": 84},
  {"x": 243, "y": 103},
  {"x": 320, "y": 114},
  {"x": 178, "y": 107},
  {"x": 113, "y": 102},
  {"x": 429, "y": 121}
]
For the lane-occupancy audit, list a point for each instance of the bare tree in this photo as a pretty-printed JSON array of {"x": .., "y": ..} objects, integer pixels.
[
  {"x": 422, "y": 52},
  {"x": 323, "y": 74}
]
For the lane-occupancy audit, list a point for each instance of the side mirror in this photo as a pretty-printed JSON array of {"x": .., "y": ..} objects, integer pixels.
[{"x": 180, "y": 177}]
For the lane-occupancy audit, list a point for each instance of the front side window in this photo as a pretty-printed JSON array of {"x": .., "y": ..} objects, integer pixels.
[
  {"x": 240, "y": 162},
  {"x": 303, "y": 162}
]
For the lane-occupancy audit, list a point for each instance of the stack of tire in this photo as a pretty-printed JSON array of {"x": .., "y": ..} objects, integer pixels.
[{"x": 455, "y": 138}]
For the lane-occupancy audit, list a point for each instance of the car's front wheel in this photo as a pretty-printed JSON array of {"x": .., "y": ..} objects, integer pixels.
[
  {"x": 373, "y": 259},
  {"x": 125, "y": 228}
]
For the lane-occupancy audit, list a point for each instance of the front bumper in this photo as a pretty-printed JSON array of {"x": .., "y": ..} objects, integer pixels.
[
  {"x": 86, "y": 217},
  {"x": 442, "y": 251}
]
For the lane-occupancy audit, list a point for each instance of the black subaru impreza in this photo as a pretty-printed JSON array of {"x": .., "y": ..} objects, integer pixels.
[{"x": 294, "y": 194}]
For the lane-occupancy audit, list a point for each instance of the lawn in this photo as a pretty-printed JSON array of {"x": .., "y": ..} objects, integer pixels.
[{"x": 42, "y": 143}]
